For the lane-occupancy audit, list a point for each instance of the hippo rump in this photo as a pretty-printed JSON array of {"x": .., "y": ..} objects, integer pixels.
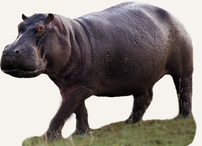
[{"x": 123, "y": 50}]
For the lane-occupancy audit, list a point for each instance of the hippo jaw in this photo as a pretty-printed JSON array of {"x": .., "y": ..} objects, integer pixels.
[
  {"x": 25, "y": 74},
  {"x": 22, "y": 62}
]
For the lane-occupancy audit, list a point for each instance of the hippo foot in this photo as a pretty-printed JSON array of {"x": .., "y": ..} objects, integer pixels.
[
  {"x": 47, "y": 137},
  {"x": 32, "y": 141},
  {"x": 181, "y": 116},
  {"x": 52, "y": 135},
  {"x": 131, "y": 120},
  {"x": 81, "y": 132}
]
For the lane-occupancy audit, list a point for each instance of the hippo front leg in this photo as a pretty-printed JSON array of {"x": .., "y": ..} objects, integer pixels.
[{"x": 71, "y": 101}]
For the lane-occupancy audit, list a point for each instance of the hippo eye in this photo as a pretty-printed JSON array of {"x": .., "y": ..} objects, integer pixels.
[{"x": 40, "y": 29}]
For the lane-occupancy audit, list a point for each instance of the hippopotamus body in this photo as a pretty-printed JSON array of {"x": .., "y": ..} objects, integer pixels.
[{"x": 123, "y": 50}]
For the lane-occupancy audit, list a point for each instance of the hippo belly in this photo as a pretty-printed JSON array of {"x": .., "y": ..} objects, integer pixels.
[{"x": 133, "y": 75}]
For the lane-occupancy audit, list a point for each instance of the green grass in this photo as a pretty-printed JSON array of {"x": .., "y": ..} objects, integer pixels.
[{"x": 178, "y": 132}]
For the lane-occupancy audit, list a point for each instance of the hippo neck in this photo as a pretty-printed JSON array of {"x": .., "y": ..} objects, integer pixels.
[{"x": 80, "y": 62}]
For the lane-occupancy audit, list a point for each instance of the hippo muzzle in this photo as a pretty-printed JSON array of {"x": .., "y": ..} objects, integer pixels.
[{"x": 21, "y": 61}]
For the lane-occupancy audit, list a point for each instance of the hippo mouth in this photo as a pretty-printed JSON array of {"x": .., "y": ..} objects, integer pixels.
[{"x": 24, "y": 74}]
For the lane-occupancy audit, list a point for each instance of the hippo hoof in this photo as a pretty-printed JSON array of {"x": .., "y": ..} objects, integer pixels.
[
  {"x": 132, "y": 120},
  {"x": 180, "y": 116},
  {"x": 52, "y": 135},
  {"x": 81, "y": 132},
  {"x": 32, "y": 141}
]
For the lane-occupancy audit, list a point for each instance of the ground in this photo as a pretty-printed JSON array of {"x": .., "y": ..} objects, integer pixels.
[{"x": 176, "y": 132}]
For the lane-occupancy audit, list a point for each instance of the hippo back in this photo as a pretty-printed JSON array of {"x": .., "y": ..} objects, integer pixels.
[{"x": 132, "y": 43}]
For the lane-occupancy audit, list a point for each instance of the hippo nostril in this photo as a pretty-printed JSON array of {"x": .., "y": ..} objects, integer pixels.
[{"x": 17, "y": 52}]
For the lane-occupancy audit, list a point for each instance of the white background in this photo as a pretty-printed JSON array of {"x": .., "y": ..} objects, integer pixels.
[{"x": 28, "y": 105}]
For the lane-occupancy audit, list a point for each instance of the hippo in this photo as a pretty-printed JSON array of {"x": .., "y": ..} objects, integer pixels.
[{"x": 120, "y": 51}]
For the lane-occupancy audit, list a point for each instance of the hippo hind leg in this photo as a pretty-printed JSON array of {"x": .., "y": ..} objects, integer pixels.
[
  {"x": 82, "y": 126},
  {"x": 140, "y": 105},
  {"x": 184, "y": 91}
]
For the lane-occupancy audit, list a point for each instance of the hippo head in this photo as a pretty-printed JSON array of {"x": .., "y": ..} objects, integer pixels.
[{"x": 39, "y": 47}]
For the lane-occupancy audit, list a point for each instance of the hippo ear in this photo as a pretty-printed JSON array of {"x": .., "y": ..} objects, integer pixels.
[
  {"x": 24, "y": 17},
  {"x": 50, "y": 17}
]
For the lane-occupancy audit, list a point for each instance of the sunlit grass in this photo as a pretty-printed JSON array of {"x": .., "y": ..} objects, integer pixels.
[{"x": 178, "y": 132}]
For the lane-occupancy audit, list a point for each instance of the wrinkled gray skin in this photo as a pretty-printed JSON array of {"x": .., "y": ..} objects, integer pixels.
[{"x": 123, "y": 50}]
